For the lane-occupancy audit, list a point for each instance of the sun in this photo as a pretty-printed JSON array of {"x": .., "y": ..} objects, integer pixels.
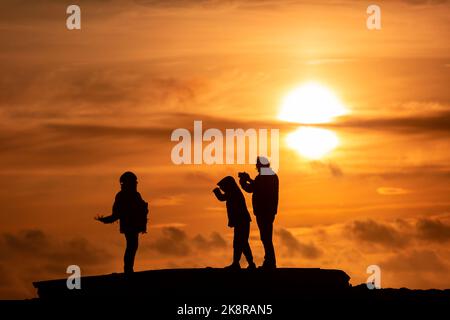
[
  {"x": 312, "y": 143},
  {"x": 311, "y": 103}
]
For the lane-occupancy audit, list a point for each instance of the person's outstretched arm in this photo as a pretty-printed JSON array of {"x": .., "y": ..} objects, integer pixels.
[
  {"x": 219, "y": 195},
  {"x": 108, "y": 219},
  {"x": 113, "y": 217}
]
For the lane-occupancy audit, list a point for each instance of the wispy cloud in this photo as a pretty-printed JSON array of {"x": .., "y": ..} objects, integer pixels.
[
  {"x": 419, "y": 124},
  {"x": 392, "y": 191}
]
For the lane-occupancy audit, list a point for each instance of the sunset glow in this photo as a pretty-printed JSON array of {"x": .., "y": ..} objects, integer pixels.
[
  {"x": 312, "y": 143},
  {"x": 179, "y": 92},
  {"x": 310, "y": 104}
]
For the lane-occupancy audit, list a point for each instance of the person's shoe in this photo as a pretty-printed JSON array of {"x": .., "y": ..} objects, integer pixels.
[
  {"x": 265, "y": 266},
  {"x": 251, "y": 266},
  {"x": 233, "y": 266},
  {"x": 128, "y": 271}
]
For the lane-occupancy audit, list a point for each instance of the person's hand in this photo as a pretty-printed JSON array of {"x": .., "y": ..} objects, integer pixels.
[
  {"x": 244, "y": 176},
  {"x": 217, "y": 189},
  {"x": 99, "y": 218}
]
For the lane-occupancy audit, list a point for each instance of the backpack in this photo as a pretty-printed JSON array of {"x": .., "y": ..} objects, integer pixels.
[{"x": 142, "y": 217}]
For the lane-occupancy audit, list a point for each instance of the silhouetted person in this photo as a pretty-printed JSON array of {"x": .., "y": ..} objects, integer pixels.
[
  {"x": 131, "y": 210},
  {"x": 238, "y": 218},
  {"x": 265, "y": 205}
]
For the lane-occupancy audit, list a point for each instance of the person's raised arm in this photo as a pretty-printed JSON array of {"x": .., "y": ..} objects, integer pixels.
[
  {"x": 219, "y": 195},
  {"x": 246, "y": 182}
]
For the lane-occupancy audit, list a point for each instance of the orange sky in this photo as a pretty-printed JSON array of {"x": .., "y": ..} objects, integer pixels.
[{"x": 80, "y": 107}]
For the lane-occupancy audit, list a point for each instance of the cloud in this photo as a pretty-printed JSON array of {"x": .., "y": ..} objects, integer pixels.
[
  {"x": 419, "y": 124},
  {"x": 215, "y": 241},
  {"x": 433, "y": 230},
  {"x": 265, "y": 4},
  {"x": 167, "y": 225},
  {"x": 181, "y": 3},
  {"x": 52, "y": 9},
  {"x": 28, "y": 91},
  {"x": 166, "y": 201},
  {"x": 402, "y": 232},
  {"x": 53, "y": 146},
  {"x": 295, "y": 247},
  {"x": 172, "y": 242},
  {"x": 33, "y": 255},
  {"x": 377, "y": 233},
  {"x": 98, "y": 131},
  {"x": 422, "y": 2},
  {"x": 415, "y": 261},
  {"x": 416, "y": 268},
  {"x": 175, "y": 242},
  {"x": 35, "y": 244},
  {"x": 211, "y": 4},
  {"x": 19, "y": 11},
  {"x": 391, "y": 191}
]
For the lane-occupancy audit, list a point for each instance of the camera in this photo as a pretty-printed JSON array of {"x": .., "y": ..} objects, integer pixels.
[{"x": 243, "y": 175}]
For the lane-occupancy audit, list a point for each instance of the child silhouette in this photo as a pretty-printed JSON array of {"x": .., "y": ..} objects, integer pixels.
[
  {"x": 131, "y": 210},
  {"x": 238, "y": 218}
]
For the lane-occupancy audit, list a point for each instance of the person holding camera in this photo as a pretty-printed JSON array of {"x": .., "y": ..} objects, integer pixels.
[{"x": 264, "y": 189}]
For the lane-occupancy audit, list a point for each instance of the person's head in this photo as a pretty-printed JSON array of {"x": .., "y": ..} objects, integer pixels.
[
  {"x": 262, "y": 162},
  {"x": 228, "y": 184},
  {"x": 128, "y": 181}
]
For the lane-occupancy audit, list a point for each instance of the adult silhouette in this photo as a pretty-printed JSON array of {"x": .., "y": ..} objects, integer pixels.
[
  {"x": 265, "y": 205},
  {"x": 131, "y": 210},
  {"x": 238, "y": 218}
]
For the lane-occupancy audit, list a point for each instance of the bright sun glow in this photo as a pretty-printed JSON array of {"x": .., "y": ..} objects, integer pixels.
[
  {"x": 312, "y": 143},
  {"x": 311, "y": 103}
]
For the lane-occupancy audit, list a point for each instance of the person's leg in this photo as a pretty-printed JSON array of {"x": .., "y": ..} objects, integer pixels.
[
  {"x": 265, "y": 225},
  {"x": 246, "y": 245},
  {"x": 237, "y": 245},
  {"x": 261, "y": 226},
  {"x": 130, "y": 251},
  {"x": 270, "y": 250}
]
